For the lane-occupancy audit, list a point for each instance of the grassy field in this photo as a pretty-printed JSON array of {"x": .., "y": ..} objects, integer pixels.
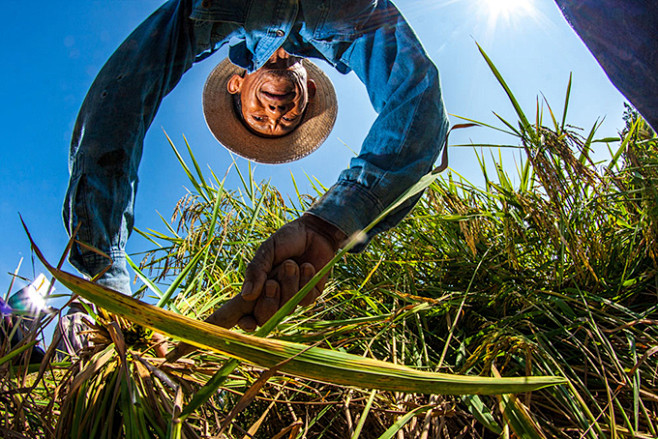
[{"x": 545, "y": 270}]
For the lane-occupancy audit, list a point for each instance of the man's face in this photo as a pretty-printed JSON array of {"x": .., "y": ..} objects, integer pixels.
[{"x": 274, "y": 97}]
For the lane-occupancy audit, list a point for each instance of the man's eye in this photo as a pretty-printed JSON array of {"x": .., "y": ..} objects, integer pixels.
[
  {"x": 289, "y": 118},
  {"x": 258, "y": 118}
]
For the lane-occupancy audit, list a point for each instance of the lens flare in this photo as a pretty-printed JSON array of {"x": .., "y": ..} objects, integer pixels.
[{"x": 506, "y": 12}]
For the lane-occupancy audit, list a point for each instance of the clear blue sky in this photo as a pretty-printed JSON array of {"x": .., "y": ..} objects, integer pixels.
[{"x": 53, "y": 50}]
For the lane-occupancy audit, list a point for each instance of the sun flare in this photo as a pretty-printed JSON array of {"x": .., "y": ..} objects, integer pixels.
[{"x": 507, "y": 12}]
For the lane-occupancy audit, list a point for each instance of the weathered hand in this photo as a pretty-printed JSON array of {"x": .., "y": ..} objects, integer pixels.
[
  {"x": 282, "y": 264},
  {"x": 288, "y": 278},
  {"x": 286, "y": 261}
]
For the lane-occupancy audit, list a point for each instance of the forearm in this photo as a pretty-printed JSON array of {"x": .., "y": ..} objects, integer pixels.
[{"x": 406, "y": 137}]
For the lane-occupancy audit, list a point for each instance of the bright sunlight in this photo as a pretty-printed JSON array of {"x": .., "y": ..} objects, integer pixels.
[{"x": 506, "y": 12}]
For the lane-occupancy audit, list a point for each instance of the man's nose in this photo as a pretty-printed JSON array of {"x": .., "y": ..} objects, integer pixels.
[{"x": 277, "y": 110}]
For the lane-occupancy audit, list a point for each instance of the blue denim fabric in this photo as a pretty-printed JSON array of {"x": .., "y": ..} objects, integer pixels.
[
  {"x": 623, "y": 37},
  {"x": 370, "y": 38}
]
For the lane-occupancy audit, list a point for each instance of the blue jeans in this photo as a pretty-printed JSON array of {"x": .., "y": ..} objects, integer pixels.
[{"x": 623, "y": 37}]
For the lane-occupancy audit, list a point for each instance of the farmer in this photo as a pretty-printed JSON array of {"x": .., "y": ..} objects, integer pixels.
[
  {"x": 623, "y": 37},
  {"x": 266, "y": 102}
]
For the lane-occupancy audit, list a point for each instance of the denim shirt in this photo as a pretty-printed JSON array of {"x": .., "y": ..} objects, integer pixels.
[
  {"x": 370, "y": 38},
  {"x": 373, "y": 40}
]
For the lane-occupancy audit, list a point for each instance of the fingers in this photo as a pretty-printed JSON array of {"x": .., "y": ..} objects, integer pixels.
[
  {"x": 286, "y": 243},
  {"x": 228, "y": 315},
  {"x": 307, "y": 273},
  {"x": 276, "y": 259},
  {"x": 247, "y": 323},
  {"x": 269, "y": 303},
  {"x": 277, "y": 292},
  {"x": 288, "y": 277},
  {"x": 291, "y": 278},
  {"x": 256, "y": 273}
]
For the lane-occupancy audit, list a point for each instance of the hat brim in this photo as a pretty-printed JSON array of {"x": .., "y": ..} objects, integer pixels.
[{"x": 318, "y": 120}]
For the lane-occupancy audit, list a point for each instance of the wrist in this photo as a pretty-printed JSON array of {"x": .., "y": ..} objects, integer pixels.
[{"x": 332, "y": 233}]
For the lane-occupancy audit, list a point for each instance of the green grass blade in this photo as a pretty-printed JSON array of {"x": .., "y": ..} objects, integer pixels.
[
  {"x": 209, "y": 389},
  {"x": 519, "y": 111},
  {"x": 207, "y": 191},
  {"x": 518, "y": 419},
  {"x": 16, "y": 352},
  {"x": 364, "y": 415},
  {"x": 186, "y": 169},
  {"x": 566, "y": 105},
  {"x": 624, "y": 144},
  {"x": 550, "y": 111},
  {"x": 150, "y": 285},
  {"x": 400, "y": 423},
  {"x": 587, "y": 145},
  {"x": 481, "y": 412},
  {"x": 493, "y": 127},
  {"x": 166, "y": 296}
]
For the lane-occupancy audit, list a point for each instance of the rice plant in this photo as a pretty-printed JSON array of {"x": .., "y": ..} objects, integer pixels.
[{"x": 546, "y": 271}]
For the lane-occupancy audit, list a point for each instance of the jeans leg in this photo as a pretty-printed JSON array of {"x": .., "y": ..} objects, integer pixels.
[
  {"x": 623, "y": 37},
  {"x": 107, "y": 142}
]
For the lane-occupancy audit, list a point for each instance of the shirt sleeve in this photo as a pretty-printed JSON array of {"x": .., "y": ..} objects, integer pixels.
[
  {"x": 108, "y": 137},
  {"x": 406, "y": 137}
]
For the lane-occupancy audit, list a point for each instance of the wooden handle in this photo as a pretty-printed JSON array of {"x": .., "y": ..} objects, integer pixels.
[{"x": 226, "y": 316}]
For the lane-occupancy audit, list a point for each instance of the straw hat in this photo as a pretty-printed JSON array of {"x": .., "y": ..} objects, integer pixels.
[{"x": 226, "y": 126}]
